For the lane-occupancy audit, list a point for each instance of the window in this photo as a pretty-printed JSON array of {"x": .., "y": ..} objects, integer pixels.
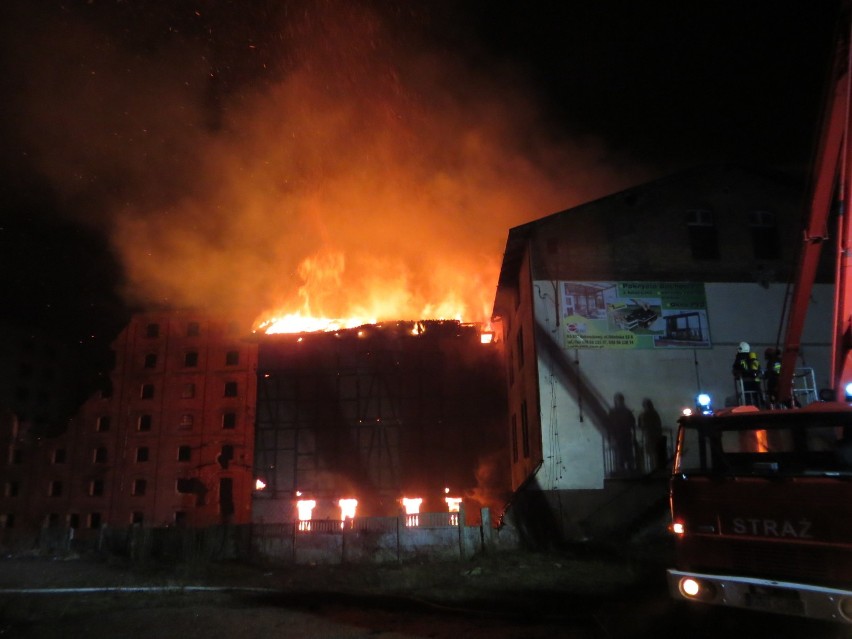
[
  {"x": 16, "y": 456},
  {"x": 515, "y": 438},
  {"x": 232, "y": 358},
  {"x": 226, "y": 454},
  {"x": 96, "y": 488},
  {"x": 147, "y": 391},
  {"x": 703, "y": 235},
  {"x": 11, "y": 489},
  {"x": 52, "y": 520},
  {"x": 136, "y": 518},
  {"x": 519, "y": 347},
  {"x": 139, "y": 486},
  {"x": 152, "y": 330},
  {"x": 144, "y": 423},
  {"x": 184, "y": 453},
  {"x": 190, "y": 359},
  {"x": 764, "y": 235},
  {"x": 226, "y": 496},
  {"x": 99, "y": 456},
  {"x": 187, "y": 391},
  {"x": 184, "y": 486},
  {"x": 186, "y": 421},
  {"x": 7, "y": 520},
  {"x": 142, "y": 454},
  {"x": 74, "y": 520},
  {"x": 151, "y": 360},
  {"x": 229, "y": 421},
  {"x": 230, "y": 389},
  {"x": 180, "y": 518},
  {"x": 525, "y": 430},
  {"x": 59, "y": 456},
  {"x": 193, "y": 329},
  {"x": 102, "y": 424},
  {"x": 94, "y": 520},
  {"x": 54, "y": 488}
]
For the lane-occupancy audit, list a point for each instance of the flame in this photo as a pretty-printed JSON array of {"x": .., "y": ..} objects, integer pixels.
[
  {"x": 305, "y": 509},
  {"x": 347, "y": 508},
  {"x": 324, "y": 289}
]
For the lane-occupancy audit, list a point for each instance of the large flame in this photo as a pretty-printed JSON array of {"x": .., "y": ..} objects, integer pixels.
[{"x": 324, "y": 290}]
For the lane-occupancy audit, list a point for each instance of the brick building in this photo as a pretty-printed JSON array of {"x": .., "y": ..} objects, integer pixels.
[{"x": 168, "y": 441}]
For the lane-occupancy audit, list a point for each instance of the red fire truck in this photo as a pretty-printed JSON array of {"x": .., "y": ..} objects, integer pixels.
[{"x": 761, "y": 500}]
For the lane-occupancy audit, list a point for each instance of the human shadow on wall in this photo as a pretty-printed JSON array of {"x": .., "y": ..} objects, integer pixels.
[{"x": 532, "y": 512}]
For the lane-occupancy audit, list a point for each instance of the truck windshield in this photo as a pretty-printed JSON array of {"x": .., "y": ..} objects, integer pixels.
[{"x": 731, "y": 446}]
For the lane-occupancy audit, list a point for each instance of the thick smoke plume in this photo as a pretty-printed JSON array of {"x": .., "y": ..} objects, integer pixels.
[{"x": 344, "y": 162}]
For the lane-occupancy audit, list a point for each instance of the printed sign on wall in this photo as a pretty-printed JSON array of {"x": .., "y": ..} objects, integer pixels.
[{"x": 634, "y": 315}]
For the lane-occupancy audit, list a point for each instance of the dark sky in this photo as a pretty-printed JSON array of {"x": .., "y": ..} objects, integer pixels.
[{"x": 116, "y": 108}]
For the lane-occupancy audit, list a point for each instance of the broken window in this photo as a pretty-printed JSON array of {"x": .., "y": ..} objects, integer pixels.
[
  {"x": 103, "y": 424},
  {"x": 226, "y": 454},
  {"x": 54, "y": 489},
  {"x": 226, "y": 496},
  {"x": 140, "y": 486}
]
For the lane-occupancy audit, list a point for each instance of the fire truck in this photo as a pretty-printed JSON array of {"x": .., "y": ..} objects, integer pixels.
[{"x": 761, "y": 500}]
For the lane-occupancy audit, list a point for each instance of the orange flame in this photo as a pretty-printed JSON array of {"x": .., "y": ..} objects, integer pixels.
[{"x": 322, "y": 290}]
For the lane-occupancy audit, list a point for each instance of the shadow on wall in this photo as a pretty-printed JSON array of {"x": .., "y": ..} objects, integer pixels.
[{"x": 629, "y": 448}]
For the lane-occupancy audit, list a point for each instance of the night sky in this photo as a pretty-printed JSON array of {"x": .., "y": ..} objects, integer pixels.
[{"x": 141, "y": 135}]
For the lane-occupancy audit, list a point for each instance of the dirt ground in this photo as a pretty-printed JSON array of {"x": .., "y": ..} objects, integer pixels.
[
  {"x": 582, "y": 593},
  {"x": 582, "y": 570}
]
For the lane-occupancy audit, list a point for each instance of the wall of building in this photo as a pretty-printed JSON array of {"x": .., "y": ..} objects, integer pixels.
[
  {"x": 577, "y": 386},
  {"x": 169, "y": 443}
]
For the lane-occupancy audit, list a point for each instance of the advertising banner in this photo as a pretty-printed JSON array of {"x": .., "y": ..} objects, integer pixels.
[{"x": 634, "y": 315}]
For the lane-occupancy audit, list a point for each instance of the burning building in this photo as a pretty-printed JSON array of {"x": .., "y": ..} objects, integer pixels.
[{"x": 377, "y": 414}]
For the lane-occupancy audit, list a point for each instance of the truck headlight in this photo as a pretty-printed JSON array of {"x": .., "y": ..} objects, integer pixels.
[{"x": 696, "y": 589}]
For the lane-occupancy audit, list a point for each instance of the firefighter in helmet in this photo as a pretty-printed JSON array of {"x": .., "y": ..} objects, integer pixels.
[
  {"x": 748, "y": 373},
  {"x": 772, "y": 357}
]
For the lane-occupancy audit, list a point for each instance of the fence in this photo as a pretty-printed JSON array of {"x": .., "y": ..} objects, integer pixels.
[{"x": 426, "y": 536}]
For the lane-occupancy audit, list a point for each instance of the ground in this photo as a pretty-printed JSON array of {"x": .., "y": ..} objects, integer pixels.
[{"x": 617, "y": 592}]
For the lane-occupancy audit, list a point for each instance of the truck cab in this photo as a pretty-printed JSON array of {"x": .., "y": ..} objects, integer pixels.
[{"x": 761, "y": 505}]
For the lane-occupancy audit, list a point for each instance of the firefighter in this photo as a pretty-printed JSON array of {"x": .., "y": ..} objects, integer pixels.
[
  {"x": 772, "y": 357},
  {"x": 748, "y": 373}
]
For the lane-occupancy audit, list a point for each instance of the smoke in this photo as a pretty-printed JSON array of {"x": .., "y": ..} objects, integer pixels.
[{"x": 343, "y": 162}]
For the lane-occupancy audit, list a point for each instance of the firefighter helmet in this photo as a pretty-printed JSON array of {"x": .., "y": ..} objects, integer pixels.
[{"x": 744, "y": 347}]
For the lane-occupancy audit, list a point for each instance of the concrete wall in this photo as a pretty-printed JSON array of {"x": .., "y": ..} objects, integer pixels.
[{"x": 576, "y": 387}]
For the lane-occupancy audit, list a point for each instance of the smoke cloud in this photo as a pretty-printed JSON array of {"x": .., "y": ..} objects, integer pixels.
[{"x": 343, "y": 162}]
